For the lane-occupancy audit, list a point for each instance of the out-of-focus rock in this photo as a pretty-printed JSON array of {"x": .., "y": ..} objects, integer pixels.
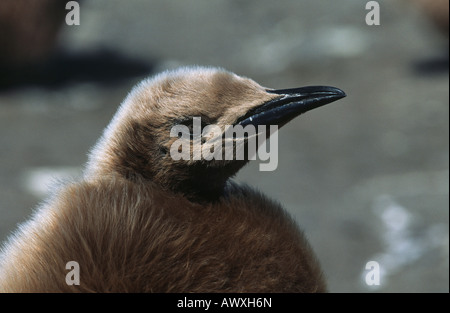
[
  {"x": 437, "y": 11},
  {"x": 28, "y": 30}
]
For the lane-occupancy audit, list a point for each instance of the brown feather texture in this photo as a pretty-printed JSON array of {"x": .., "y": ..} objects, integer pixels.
[{"x": 139, "y": 221}]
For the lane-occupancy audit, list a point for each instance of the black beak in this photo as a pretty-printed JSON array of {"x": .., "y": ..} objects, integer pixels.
[{"x": 291, "y": 103}]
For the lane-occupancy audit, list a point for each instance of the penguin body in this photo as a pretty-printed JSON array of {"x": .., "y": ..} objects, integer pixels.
[
  {"x": 138, "y": 221},
  {"x": 138, "y": 240}
]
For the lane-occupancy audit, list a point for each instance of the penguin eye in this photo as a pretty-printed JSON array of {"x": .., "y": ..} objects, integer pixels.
[
  {"x": 189, "y": 123},
  {"x": 163, "y": 150}
]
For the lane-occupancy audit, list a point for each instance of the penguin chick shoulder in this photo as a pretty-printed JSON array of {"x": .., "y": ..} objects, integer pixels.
[{"x": 141, "y": 221}]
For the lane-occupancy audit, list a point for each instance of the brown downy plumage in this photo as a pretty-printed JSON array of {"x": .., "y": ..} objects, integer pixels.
[{"x": 140, "y": 221}]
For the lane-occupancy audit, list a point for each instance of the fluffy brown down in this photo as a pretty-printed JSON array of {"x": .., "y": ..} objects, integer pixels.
[
  {"x": 138, "y": 221},
  {"x": 133, "y": 237}
]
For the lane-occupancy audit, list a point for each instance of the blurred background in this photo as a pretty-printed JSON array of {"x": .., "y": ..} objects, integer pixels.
[{"x": 367, "y": 177}]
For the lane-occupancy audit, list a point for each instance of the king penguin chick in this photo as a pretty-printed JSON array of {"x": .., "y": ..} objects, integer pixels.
[{"x": 140, "y": 221}]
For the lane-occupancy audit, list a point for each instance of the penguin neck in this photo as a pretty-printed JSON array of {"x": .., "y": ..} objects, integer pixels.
[
  {"x": 204, "y": 184},
  {"x": 196, "y": 190},
  {"x": 199, "y": 182}
]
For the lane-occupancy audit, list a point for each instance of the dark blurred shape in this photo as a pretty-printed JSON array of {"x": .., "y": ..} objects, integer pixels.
[
  {"x": 63, "y": 68},
  {"x": 438, "y": 12},
  {"x": 433, "y": 66},
  {"x": 28, "y": 30}
]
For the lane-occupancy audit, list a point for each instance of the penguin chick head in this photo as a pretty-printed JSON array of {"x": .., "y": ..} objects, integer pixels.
[{"x": 165, "y": 117}]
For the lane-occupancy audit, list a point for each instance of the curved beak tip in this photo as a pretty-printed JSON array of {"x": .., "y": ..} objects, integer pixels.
[{"x": 291, "y": 103}]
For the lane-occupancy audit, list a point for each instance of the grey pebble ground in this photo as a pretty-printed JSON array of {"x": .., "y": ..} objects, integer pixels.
[{"x": 367, "y": 177}]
